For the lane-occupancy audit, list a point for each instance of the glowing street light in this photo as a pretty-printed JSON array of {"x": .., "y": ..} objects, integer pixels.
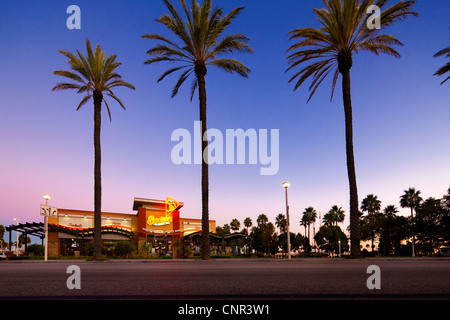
[
  {"x": 46, "y": 197},
  {"x": 17, "y": 238},
  {"x": 286, "y": 185}
]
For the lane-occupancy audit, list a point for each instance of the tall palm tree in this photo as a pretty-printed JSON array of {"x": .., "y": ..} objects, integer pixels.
[
  {"x": 411, "y": 199},
  {"x": 446, "y": 68},
  {"x": 201, "y": 46},
  {"x": 329, "y": 49},
  {"x": 94, "y": 75}
]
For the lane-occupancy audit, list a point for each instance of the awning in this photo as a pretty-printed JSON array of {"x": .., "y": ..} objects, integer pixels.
[
  {"x": 37, "y": 229},
  {"x": 232, "y": 236}
]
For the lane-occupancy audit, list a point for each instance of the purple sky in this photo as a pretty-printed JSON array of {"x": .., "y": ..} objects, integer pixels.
[{"x": 401, "y": 115}]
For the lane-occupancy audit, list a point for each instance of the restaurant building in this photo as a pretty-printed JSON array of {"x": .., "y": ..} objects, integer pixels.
[{"x": 157, "y": 224}]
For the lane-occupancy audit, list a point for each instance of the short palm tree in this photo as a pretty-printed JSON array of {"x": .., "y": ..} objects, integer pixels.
[
  {"x": 235, "y": 224},
  {"x": 446, "y": 68},
  {"x": 262, "y": 219},
  {"x": 309, "y": 217},
  {"x": 281, "y": 222},
  {"x": 329, "y": 49},
  {"x": 201, "y": 46},
  {"x": 411, "y": 199},
  {"x": 94, "y": 75},
  {"x": 371, "y": 204},
  {"x": 248, "y": 223},
  {"x": 334, "y": 216}
]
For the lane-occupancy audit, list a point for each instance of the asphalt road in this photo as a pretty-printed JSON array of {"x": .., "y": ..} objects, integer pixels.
[{"x": 416, "y": 278}]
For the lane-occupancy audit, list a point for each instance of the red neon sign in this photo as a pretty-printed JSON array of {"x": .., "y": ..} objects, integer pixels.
[{"x": 171, "y": 205}]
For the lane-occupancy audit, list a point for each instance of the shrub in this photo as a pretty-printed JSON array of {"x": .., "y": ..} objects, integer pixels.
[{"x": 123, "y": 248}]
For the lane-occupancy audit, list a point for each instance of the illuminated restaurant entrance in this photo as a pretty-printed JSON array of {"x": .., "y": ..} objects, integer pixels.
[
  {"x": 157, "y": 227},
  {"x": 161, "y": 228}
]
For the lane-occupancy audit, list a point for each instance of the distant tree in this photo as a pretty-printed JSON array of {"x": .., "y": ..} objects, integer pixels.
[
  {"x": 445, "y": 220},
  {"x": 327, "y": 238},
  {"x": 334, "y": 216},
  {"x": 226, "y": 228},
  {"x": 248, "y": 223},
  {"x": 371, "y": 224},
  {"x": 2, "y": 232},
  {"x": 411, "y": 199},
  {"x": 264, "y": 238},
  {"x": 445, "y": 200},
  {"x": 262, "y": 219},
  {"x": 371, "y": 204},
  {"x": 387, "y": 228},
  {"x": 23, "y": 239},
  {"x": 281, "y": 222},
  {"x": 428, "y": 225},
  {"x": 235, "y": 225},
  {"x": 309, "y": 217},
  {"x": 304, "y": 223}
]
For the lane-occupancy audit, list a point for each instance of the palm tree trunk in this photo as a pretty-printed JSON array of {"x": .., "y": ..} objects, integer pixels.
[
  {"x": 205, "y": 182},
  {"x": 309, "y": 238},
  {"x": 354, "y": 214},
  {"x": 304, "y": 242},
  {"x": 98, "y": 97},
  {"x": 413, "y": 237}
]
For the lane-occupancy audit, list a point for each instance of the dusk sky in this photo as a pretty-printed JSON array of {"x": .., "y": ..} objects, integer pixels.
[{"x": 401, "y": 115}]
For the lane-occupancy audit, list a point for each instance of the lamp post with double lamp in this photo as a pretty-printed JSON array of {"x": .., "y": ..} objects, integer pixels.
[
  {"x": 286, "y": 186},
  {"x": 46, "y": 197},
  {"x": 17, "y": 238}
]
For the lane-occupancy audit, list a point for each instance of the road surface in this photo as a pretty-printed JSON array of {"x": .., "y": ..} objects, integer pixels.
[{"x": 414, "y": 278}]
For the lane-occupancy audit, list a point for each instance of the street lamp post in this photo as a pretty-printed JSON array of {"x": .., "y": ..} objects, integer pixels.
[
  {"x": 46, "y": 197},
  {"x": 17, "y": 238},
  {"x": 339, "y": 248},
  {"x": 286, "y": 186}
]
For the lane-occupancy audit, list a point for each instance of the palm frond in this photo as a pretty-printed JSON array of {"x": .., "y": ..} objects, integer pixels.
[
  {"x": 171, "y": 71},
  {"x": 83, "y": 101},
  {"x": 442, "y": 70},
  {"x": 180, "y": 81},
  {"x": 109, "y": 111},
  {"x": 93, "y": 73},
  {"x": 65, "y": 85},
  {"x": 442, "y": 52},
  {"x": 343, "y": 32},
  {"x": 232, "y": 43},
  {"x": 446, "y": 68},
  {"x": 194, "y": 86},
  {"x": 231, "y": 66},
  {"x": 201, "y": 42}
]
